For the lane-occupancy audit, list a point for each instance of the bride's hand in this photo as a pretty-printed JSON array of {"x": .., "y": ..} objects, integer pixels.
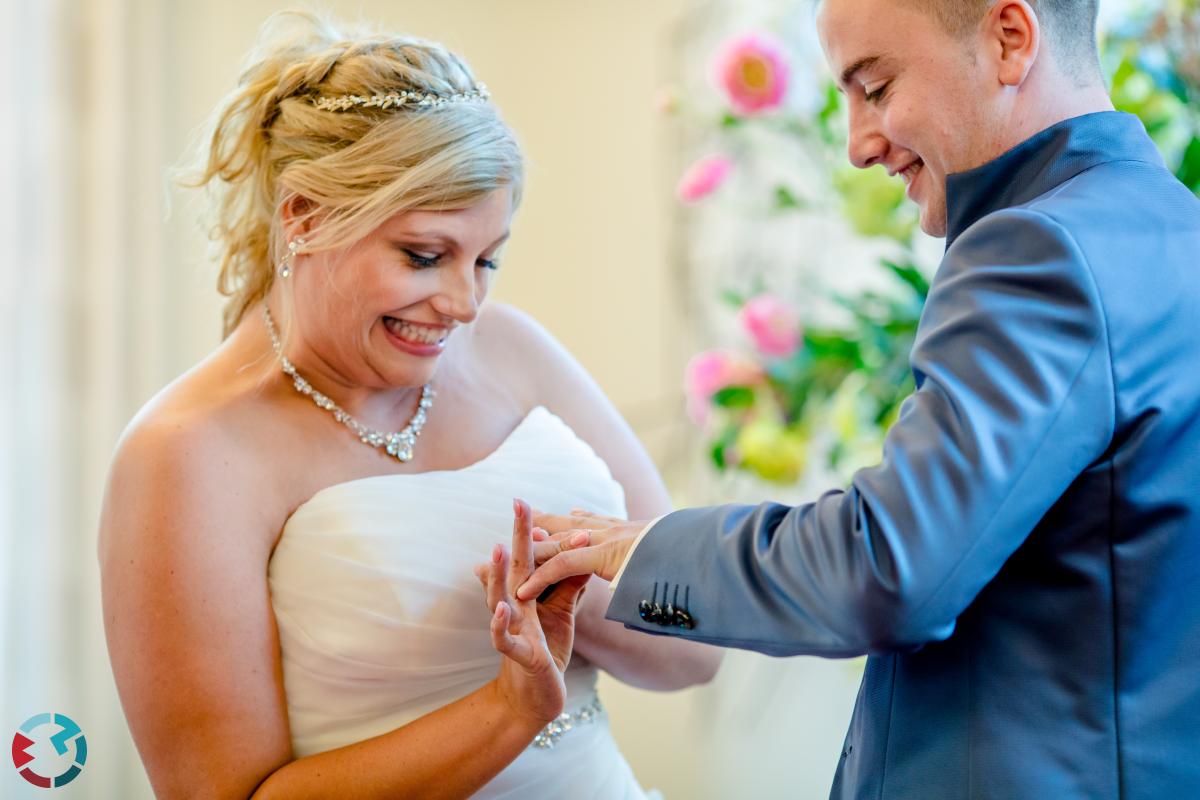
[{"x": 535, "y": 638}]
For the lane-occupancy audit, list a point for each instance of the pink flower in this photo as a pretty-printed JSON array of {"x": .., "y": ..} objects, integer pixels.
[
  {"x": 710, "y": 372},
  {"x": 703, "y": 177},
  {"x": 772, "y": 324},
  {"x": 753, "y": 71}
]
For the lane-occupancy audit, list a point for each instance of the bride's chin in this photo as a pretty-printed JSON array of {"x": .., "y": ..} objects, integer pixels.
[{"x": 400, "y": 379}]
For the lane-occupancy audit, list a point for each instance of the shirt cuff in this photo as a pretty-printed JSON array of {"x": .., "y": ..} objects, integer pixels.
[{"x": 613, "y": 586}]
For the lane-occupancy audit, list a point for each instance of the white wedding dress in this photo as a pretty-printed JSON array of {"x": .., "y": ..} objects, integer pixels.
[{"x": 382, "y": 621}]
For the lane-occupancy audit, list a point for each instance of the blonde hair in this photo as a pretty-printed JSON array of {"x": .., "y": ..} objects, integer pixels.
[{"x": 270, "y": 145}]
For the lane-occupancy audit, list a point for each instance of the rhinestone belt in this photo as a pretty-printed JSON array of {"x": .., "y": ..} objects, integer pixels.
[{"x": 564, "y": 722}]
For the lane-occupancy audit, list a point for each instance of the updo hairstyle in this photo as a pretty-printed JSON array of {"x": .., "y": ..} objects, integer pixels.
[{"x": 354, "y": 168}]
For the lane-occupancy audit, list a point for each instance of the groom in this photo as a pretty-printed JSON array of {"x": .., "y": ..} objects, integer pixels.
[{"x": 1023, "y": 567}]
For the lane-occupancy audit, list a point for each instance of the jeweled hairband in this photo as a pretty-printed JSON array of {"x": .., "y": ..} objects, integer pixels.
[{"x": 343, "y": 102}]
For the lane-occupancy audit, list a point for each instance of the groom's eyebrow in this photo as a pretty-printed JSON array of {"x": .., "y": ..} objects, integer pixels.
[{"x": 858, "y": 66}]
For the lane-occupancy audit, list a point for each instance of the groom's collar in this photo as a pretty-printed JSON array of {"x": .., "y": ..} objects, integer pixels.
[{"x": 1042, "y": 162}]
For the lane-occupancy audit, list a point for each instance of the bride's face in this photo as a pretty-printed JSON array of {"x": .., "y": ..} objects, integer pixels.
[{"x": 380, "y": 312}]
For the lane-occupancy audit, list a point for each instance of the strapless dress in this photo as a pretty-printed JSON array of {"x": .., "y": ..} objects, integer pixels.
[{"x": 382, "y": 621}]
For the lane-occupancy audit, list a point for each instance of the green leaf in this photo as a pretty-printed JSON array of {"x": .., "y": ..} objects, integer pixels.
[
  {"x": 1189, "y": 168},
  {"x": 910, "y": 275},
  {"x": 734, "y": 397},
  {"x": 1124, "y": 71},
  {"x": 722, "y": 444},
  {"x": 826, "y": 344},
  {"x": 718, "y": 454},
  {"x": 733, "y": 298},
  {"x": 828, "y": 114},
  {"x": 836, "y": 454},
  {"x": 833, "y": 101},
  {"x": 729, "y": 120},
  {"x": 785, "y": 199}
]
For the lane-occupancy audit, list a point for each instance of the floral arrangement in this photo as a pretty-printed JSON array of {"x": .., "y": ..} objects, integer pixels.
[
  {"x": 1154, "y": 61},
  {"x": 805, "y": 392}
]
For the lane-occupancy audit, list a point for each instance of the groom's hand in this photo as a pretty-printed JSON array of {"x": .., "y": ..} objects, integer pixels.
[
  {"x": 593, "y": 546},
  {"x": 578, "y": 519},
  {"x": 557, "y": 533}
]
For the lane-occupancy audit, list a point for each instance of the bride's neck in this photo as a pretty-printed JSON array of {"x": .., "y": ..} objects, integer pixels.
[{"x": 249, "y": 346}]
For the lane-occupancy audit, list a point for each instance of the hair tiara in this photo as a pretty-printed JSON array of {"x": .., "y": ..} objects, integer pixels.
[{"x": 344, "y": 102}]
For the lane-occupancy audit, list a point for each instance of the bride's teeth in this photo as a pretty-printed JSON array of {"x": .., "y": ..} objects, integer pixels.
[{"x": 413, "y": 333}]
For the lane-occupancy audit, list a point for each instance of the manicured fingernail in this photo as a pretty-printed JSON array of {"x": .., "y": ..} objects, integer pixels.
[
  {"x": 500, "y": 609},
  {"x": 578, "y": 539},
  {"x": 495, "y": 554},
  {"x": 517, "y": 508}
]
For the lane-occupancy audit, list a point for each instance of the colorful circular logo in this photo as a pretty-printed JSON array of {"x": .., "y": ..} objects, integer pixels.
[{"x": 61, "y": 732}]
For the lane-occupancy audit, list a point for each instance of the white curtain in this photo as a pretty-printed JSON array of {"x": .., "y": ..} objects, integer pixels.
[{"x": 83, "y": 305}]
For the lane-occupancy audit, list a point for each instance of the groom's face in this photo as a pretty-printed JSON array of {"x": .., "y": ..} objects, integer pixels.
[{"x": 918, "y": 98}]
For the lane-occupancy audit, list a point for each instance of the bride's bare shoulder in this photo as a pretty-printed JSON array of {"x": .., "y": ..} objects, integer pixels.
[
  {"x": 215, "y": 405},
  {"x": 201, "y": 439},
  {"x": 513, "y": 337},
  {"x": 517, "y": 346}
]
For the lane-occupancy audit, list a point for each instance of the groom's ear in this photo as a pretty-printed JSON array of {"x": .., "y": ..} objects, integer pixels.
[{"x": 1012, "y": 40}]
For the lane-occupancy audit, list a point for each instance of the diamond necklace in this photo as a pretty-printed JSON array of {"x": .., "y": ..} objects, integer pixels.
[{"x": 399, "y": 445}]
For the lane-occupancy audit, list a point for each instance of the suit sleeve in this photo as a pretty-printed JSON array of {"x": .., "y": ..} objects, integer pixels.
[{"x": 1014, "y": 399}]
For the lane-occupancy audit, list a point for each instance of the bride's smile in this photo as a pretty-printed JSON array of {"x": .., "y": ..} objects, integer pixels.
[{"x": 418, "y": 340}]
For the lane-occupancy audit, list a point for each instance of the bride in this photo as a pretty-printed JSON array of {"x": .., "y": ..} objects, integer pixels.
[{"x": 289, "y": 528}]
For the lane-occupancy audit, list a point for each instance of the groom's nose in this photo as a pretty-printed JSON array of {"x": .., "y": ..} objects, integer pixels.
[{"x": 867, "y": 145}]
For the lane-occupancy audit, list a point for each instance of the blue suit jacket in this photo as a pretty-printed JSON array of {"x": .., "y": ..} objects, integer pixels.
[{"x": 1023, "y": 567}]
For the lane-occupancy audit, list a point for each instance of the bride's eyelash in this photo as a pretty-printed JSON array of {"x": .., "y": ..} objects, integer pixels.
[
  {"x": 424, "y": 262},
  {"x": 420, "y": 261}
]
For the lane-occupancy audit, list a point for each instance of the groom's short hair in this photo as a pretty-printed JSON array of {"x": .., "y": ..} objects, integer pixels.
[{"x": 1068, "y": 25}]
